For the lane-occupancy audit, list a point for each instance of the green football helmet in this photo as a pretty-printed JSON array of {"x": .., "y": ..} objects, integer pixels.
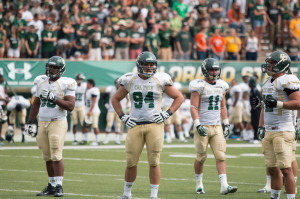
[
  {"x": 79, "y": 76},
  {"x": 252, "y": 81},
  {"x": 210, "y": 64},
  {"x": 58, "y": 62},
  {"x": 279, "y": 61},
  {"x": 146, "y": 57}
]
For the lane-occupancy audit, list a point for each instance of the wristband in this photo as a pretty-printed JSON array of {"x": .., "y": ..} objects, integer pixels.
[
  {"x": 169, "y": 112},
  {"x": 279, "y": 104},
  {"x": 225, "y": 121},
  {"x": 196, "y": 122},
  {"x": 121, "y": 115}
]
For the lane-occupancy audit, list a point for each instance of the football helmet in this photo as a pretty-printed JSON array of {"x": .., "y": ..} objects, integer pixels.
[
  {"x": 210, "y": 64},
  {"x": 58, "y": 62},
  {"x": 252, "y": 81},
  {"x": 143, "y": 58},
  {"x": 277, "y": 62},
  {"x": 79, "y": 76},
  {"x": 9, "y": 135},
  {"x": 87, "y": 121}
]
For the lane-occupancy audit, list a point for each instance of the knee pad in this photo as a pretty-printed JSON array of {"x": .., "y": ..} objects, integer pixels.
[
  {"x": 131, "y": 160},
  {"x": 220, "y": 152},
  {"x": 201, "y": 157},
  {"x": 54, "y": 147},
  {"x": 278, "y": 144},
  {"x": 154, "y": 158}
]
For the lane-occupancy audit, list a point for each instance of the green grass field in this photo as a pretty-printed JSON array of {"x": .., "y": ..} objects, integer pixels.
[{"x": 99, "y": 173}]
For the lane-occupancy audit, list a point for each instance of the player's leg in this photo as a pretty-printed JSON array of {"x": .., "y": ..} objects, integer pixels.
[
  {"x": 96, "y": 129},
  {"x": 294, "y": 163},
  {"x": 218, "y": 145},
  {"x": 178, "y": 122},
  {"x": 109, "y": 124},
  {"x": 74, "y": 118},
  {"x": 167, "y": 130},
  {"x": 118, "y": 124},
  {"x": 22, "y": 117},
  {"x": 186, "y": 127},
  {"x": 267, "y": 187}
]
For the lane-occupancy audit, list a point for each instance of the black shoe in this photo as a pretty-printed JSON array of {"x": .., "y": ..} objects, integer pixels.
[
  {"x": 2, "y": 139},
  {"x": 23, "y": 139},
  {"x": 49, "y": 190},
  {"x": 58, "y": 191},
  {"x": 83, "y": 142}
]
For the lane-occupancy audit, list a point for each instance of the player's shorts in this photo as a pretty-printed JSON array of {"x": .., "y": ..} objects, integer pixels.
[
  {"x": 78, "y": 112},
  {"x": 110, "y": 118},
  {"x": 236, "y": 115},
  {"x": 21, "y": 115},
  {"x": 246, "y": 117},
  {"x": 277, "y": 148},
  {"x": 294, "y": 150},
  {"x": 216, "y": 140},
  {"x": 95, "y": 118},
  {"x": 50, "y": 138},
  {"x": 177, "y": 118},
  {"x": 150, "y": 134}
]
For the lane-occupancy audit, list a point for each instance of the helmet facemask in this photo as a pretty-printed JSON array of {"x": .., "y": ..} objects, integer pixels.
[
  {"x": 145, "y": 67},
  {"x": 274, "y": 67},
  {"x": 59, "y": 73}
]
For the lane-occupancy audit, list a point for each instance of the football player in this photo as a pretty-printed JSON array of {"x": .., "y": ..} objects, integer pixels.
[
  {"x": 54, "y": 97},
  {"x": 208, "y": 110},
  {"x": 281, "y": 95},
  {"x": 3, "y": 99},
  {"x": 17, "y": 106},
  {"x": 79, "y": 110},
  {"x": 146, "y": 120},
  {"x": 92, "y": 112}
]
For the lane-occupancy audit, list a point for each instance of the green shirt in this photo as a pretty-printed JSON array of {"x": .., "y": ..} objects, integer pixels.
[
  {"x": 1, "y": 38},
  {"x": 84, "y": 42},
  {"x": 14, "y": 42},
  {"x": 95, "y": 41},
  {"x": 48, "y": 46},
  {"x": 165, "y": 38},
  {"x": 259, "y": 7},
  {"x": 122, "y": 34},
  {"x": 181, "y": 8},
  {"x": 153, "y": 41},
  {"x": 135, "y": 35},
  {"x": 32, "y": 39},
  {"x": 214, "y": 27},
  {"x": 108, "y": 39},
  {"x": 184, "y": 38},
  {"x": 20, "y": 23}
]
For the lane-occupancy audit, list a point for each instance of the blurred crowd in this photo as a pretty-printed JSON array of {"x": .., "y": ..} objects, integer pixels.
[{"x": 171, "y": 29}]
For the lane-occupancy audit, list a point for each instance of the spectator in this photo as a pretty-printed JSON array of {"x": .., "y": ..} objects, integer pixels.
[
  {"x": 150, "y": 20},
  {"x": 217, "y": 45},
  {"x": 251, "y": 4},
  {"x": 135, "y": 8},
  {"x": 215, "y": 10},
  {"x": 121, "y": 41},
  {"x": 2, "y": 40},
  {"x": 226, "y": 4},
  {"x": 49, "y": 38},
  {"x": 296, "y": 8},
  {"x": 278, "y": 44},
  {"x": 259, "y": 19},
  {"x": 32, "y": 43},
  {"x": 293, "y": 49},
  {"x": 242, "y": 4},
  {"x": 81, "y": 43},
  {"x": 202, "y": 9},
  {"x": 165, "y": 39},
  {"x": 113, "y": 18},
  {"x": 14, "y": 43},
  {"x": 153, "y": 41},
  {"x": 218, "y": 25},
  {"x": 6, "y": 21},
  {"x": 39, "y": 26},
  {"x": 101, "y": 14},
  {"x": 74, "y": 16},
  {"x": 95, "y": 42},
  {"x": 236, "y": 18},
  {"x": 37, "y": 9},
  {"x": 108, "y": 44},
  {"x": 136, "y": 42},
  {"x": 286, "y": 13},
  {"x": 64, "y": 43},
  {"x": 127, "y": 16},
  {"x": 181, "y": 8},
  {"x": 274, "y": 21},
  {"x": 50, "y": 10},
  {"x": 142, "y": 26},
  {"x": 183, "y": 42},
  {"x": 87, "y": 14},
  {"x": 233, "y": 45},
  {"x": 200, "y": 43},
  {"x": 251, "y": 46},
  {"x": 295, "y": 27},
  {"x": 175, "y": 26},
  {"x": 26, "y": 14}
]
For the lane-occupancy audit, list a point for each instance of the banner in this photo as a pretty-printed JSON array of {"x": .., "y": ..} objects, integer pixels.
[{"x": 22, "y": 73}]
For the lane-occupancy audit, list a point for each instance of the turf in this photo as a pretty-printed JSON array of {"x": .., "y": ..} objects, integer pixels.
[{"x": 99, "y": 173}]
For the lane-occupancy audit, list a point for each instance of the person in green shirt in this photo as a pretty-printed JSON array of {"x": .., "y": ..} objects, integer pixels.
[
  {"x": 136, "y": 42},
  {"x": 2, "y": 40},
  {"x": 94, "y": 46},
  {"x": 181, "y": 8},
  {"x": 122, "y": 40},
  {"x": 165, "y": 39},
  {"x": 13, "y": 43},
  {"x": 32, "y": 43},
  {"x": 153, "y": 41},
  {"x": 259, "y": 19},
  {"x": 183, "y": 43},
  {"x": 49, "y": 37},
  {"x": 108, "y": 44},
  {"x": 81, "y": 43}
]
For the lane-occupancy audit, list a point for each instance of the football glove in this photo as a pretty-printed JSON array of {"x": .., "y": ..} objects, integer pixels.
[
  {"x": 46, "y": 94},
  {"x": 30, "y": 129},
  {"x": 261, "y": 133},
  {"x": 273, "y": 103},
  {"x": 162, "y": 116},
  {"x": 127, "y": 120},
  {"x": 256, "y": 102},
  {"x": 226, "y": 129},
  {"x": 297, "y": 132},
  {"x": 200, "y": 128}
]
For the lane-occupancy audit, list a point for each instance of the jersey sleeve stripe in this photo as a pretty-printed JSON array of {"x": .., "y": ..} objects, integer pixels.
[
  {"x": 280, "y": 97},
  {"x": 61, "y": 95},
  {"x": 293, "y": 82},
  {"x": 41, "y": 85},
  {"x": 200, "y": 97},
  {"x": 130, "y": 82},
  {"x": 160, "y": 93}
]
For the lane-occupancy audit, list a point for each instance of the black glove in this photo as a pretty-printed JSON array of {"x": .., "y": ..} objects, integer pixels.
[
  {"x": 256, "y": 102},
  {"x": 271, "y": 102}
]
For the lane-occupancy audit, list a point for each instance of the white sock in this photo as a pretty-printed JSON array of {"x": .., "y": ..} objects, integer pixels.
[
  {"x": 199, "y": 180},
  {"x": 172, "y": 133},
  {"x": 251, "y": 134},
  {"x": 117, "y": 130},
  {"x": 154, "y": 190},
  {"x": 127, "y": 188},
  {"x": 74, "y": 134},
  {"x": 52, "y": 181},
  {"x": 186, "y": 129},
  {"x": 168, "y": 135},
  {"x": 97, "y": 136},
  {"x": 275, "y": 194},
  {"x": 59, "y": 180},
  {"x": 180, "y": 135},
  {"x": 107, "y": 129},
  {"x": 223, "y": 179},
  {"x": 295, "y": 178},
  {"x": 290, "y": 196},
  {"x": 107, "y": 136},
  {"x": 84, "y": 136},
  {"x": 117, "y": 137},
  {"x": 268, "y": 183}
]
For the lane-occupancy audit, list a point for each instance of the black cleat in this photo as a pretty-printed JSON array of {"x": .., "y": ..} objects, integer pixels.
[
  {"x": 49, "y": 190},
  {"x": 58, "y": 191},
  {"x": 83, "y": 142}
]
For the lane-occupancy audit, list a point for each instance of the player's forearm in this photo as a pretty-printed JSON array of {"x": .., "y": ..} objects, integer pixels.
[
  {"x": 33, "y": 112},
  {"x": 224, "y": 115},
  {"x": 261, "y": 118},
  {"x": 194, "y": 113},
  {"x": 292, "y": 105},
  {"x": 176, "y": 103},
  {"x": 117, "y": 106},
  {"x": 67, "y": 105}
]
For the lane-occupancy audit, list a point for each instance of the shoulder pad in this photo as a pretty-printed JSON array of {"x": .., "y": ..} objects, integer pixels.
[
  {"x": 39, "y": 79},
  {"x": 123, "y": 80},
  {"x": 266, "y": 80},
  {"x": 69, "y": 83},
  {"x": 289, "y": 81},
  {"x": 164, "y": 78},
  {"x": 224, "y": 84},
  {"x": 196, "y": 85}
]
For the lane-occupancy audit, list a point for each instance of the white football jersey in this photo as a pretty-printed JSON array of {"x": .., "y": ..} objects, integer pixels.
[
  {"x": 279, "y": 119},
  {"x": 80, "y": 94},
  {"x": 185, "y": 108},
  {"x": 167, "y": 101},
  {"x": 236, "y": 89},
  {"x": 2, "y": 95},
  {"x": 244, "y": 87},
  {"x": 111, "y": 90},
  {"x": 88, "y": 102},
  {"x": 211, "y": 95},
  {"x": 145, "y": 95},
  {"x": 64, "y": 86},
  {"x": 19, "y": 99}
]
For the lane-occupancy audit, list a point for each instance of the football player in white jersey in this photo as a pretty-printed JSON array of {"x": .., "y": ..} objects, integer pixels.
[
  {"x": 92, "y": 112},
  {"x": 79, "y": 110},
  {"x": 3, "y": 99},
  {"x": 17, "y": 106},
  {"x": 146, "y": 119},
  {"x": 55, "y": 96},
  {"x": 281, "y": 95},
  {"x": 185, "y": 113},
  {"x": 208, "y": 110}
]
